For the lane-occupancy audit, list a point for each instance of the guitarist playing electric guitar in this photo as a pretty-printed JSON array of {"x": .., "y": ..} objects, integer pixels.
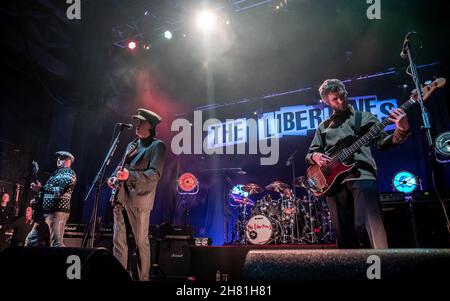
[
  {"x": 354, "y": 203},
  {"x": 52, "y": 207},
  {"x": 135, "y": 199}
]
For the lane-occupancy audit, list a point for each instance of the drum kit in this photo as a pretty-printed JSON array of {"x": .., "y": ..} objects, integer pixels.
[{"x": 274, "y": 215}]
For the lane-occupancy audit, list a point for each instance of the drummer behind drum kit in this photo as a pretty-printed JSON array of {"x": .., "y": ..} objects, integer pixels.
[{"x": 275, "y": 215}]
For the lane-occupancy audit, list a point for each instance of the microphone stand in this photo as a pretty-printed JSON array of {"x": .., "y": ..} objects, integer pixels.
[
  {"x": 290, "y": 161},
  {"x": 97, "y": 184},
  {"x": 426, "y": 126},
  {"x": 228, "y": 182}
]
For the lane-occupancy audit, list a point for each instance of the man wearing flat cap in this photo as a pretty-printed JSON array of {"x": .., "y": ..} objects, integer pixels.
[
  {"x": 54, "y": 202},
  {"x": 137, "y": 183}
]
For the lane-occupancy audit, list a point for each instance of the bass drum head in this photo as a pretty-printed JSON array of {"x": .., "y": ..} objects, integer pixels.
[{"x": 258, "y": 230}]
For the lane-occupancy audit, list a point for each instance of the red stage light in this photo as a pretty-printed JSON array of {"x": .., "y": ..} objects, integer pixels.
[
  {"x": 187, "y": 182},
  {"x": 131, "y": 45}
]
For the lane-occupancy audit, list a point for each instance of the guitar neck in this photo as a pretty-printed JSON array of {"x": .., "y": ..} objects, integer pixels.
[
  {"x": 122, "y": 162},
  {"x": 127, "y": 154},
  {"x": 345, "y": 153}
]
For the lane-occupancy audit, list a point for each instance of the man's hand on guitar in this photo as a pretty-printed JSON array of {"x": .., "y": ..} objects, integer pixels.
[
  {"x": 36, "y": 186},
  {"x": 320, "y": 159},
  {"x": 398, "y": 116},
  {"x": 122, "y": 175}
]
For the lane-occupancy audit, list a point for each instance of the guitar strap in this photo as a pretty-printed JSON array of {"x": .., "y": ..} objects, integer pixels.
[
  {"x": 358, "y": 119},
  {"x": 357, "y": 128}
]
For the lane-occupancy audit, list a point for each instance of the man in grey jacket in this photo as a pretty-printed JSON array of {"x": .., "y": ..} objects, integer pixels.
[{"x": 138, "y": 181}]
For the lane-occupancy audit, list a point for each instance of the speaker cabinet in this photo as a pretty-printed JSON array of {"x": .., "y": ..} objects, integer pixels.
[
  {"x": 331, "y": 265},
  {"x": 51, "y": 263},
  {"x": 174, "y": 256}
]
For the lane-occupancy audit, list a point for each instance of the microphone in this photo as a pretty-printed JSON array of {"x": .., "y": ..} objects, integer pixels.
[
  {"x": 289, "y": 161},
  {"x": 404, "y": 52},
  {"x": 291, "y": 157},
  {"x": 236, "y": 170},
  {"x": 125, "y": 125}
]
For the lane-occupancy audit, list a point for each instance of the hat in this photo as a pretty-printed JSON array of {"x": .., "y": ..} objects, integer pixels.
[
  {"x": 65, "y": 155},
  {"x": 147, "y": 115}
]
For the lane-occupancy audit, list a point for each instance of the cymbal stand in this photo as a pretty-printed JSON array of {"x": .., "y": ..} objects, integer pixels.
[{"x": 308, "y": 234}]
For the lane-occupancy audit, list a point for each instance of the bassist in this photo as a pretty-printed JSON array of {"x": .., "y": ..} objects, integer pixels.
[{"x": 354, "y": 205}]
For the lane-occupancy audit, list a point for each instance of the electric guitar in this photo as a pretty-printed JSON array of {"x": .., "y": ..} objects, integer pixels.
[
  {"x": 118, "y": 184},
  {"x": 321, "y": 180},
  {"x": 37, "y": 209}
]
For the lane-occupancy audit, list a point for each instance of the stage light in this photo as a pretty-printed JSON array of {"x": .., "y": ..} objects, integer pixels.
[
  {"x": 405, "y": 182},
  {"x": 168, "y": 34},
  {"x": 131, "y": 45},
  {"x": 187, "y": 183},
  {"x": 227, "y": 22},
  {"x": 206, "y": 21}
]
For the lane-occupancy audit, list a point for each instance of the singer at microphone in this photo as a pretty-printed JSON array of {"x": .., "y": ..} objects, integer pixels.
[{"x": 134, "y": 197}]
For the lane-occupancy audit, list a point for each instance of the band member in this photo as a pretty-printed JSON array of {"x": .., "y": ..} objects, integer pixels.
[
  {"x": 354, "y": 208},
  {"x": 56, "y": 195},
  {"x": 137, "y": 195},
  {"x": 6, "y": 218}
]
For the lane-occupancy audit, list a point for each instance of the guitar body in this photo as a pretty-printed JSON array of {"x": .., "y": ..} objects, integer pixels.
[
  {"x": 322, "y": 181},
  {"x": 115, "y": 192},
  {"x": 37, "y": 206}
]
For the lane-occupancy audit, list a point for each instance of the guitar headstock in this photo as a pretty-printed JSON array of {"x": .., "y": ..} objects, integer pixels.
[
  {"x": 35, "y": 168},
  {"x": 428, "y": 88}
]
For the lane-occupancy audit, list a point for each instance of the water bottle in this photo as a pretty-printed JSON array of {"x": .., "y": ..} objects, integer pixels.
[{"x": 218, "y": 275}]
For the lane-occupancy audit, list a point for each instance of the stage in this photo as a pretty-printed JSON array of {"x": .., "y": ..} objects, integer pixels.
[{"x": 225, "y": 140}]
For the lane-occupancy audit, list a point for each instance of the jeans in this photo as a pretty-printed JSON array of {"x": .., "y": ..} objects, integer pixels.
[
  {"x": 56, "y": 223},
  {"x": 356, "y": 214},
  {"x": 139, "y": 221}
]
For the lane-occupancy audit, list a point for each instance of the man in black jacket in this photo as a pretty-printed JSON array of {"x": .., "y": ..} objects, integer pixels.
[{"x": 137, "y": 194}]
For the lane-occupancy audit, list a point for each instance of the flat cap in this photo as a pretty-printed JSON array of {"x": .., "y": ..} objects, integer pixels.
[
  {"x": 147, "y": 115},
  {"x": 65, "y": 155}
]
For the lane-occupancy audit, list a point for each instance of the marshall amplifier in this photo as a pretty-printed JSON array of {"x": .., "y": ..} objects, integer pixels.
[
  {"x": 174, "y": 244},
  {"x": 74, "y": 233}
]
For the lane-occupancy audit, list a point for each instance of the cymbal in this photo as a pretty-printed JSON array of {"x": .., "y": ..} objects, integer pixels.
[
  {"x": 277, "y": 186},
  {"x": 252, "y": 188},
  {"x": 244, "y": 201},
  {"x": 299, "y": 182}
]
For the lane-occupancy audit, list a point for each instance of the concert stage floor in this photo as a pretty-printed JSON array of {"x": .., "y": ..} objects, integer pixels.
[
  {"x": 268, "y": 263},
  {"x": 229, "y": 260}
]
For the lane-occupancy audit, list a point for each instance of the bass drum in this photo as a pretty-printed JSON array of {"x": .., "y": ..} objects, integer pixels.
[{"x": 259, "y": 230}]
